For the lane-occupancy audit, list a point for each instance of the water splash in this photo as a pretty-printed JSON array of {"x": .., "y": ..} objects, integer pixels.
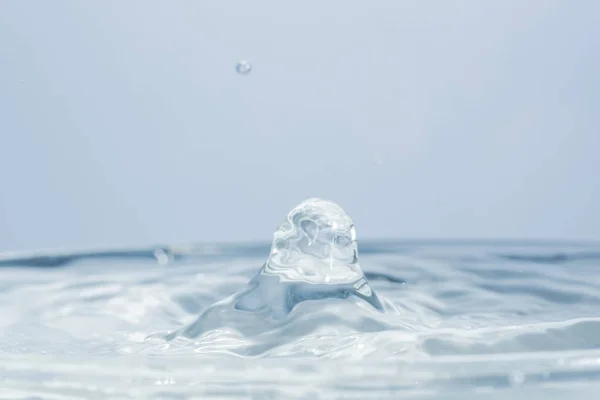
[{"x": 313, "y": 257}]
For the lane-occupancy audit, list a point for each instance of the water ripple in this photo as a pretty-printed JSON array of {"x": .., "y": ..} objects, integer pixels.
[{"x": 507, "y": 320}]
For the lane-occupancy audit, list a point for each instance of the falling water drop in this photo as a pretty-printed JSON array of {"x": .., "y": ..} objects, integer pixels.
[{"x": 243, "y": 67}]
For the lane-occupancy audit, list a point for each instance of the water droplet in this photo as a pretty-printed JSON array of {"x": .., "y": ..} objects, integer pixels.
[
  {"x": 517, "y": 378},
  {"x": 161, "y": 256},
  {"x": 243, "y": 67}
]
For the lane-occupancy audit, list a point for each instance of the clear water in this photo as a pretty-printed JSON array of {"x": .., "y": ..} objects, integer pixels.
[{"x": 458, "y": 320}]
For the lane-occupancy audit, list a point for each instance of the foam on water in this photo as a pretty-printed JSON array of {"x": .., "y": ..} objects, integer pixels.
[{"x": 302, "y": 318}]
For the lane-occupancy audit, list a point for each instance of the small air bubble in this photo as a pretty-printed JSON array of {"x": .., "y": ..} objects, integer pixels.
[{"x": 243, "y": 67}]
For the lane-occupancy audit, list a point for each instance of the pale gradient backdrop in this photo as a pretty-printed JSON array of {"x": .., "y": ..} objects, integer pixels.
[{"x": 124, "y": 122}]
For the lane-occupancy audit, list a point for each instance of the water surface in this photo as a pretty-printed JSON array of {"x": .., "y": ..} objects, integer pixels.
[{"x": 463, "y": 320}]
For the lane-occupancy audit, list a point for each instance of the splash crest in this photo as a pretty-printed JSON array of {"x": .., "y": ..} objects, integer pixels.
[{"x": 314, "y": 256}]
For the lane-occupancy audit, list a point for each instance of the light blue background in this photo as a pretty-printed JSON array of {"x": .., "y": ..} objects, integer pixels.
[{"x": 124, "y": 122}]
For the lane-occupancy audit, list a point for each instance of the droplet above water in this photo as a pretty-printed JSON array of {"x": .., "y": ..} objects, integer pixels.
[{"x": 243, "y": 67}]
